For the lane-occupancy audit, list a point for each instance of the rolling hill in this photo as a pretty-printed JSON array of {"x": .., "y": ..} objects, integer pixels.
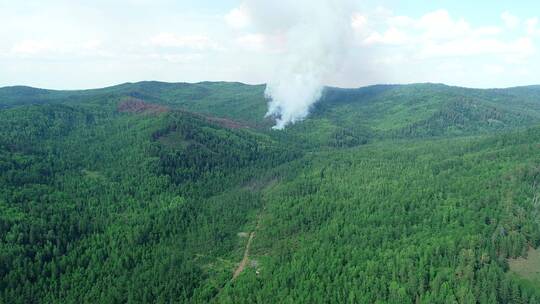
[{"x": 149, "y": 192}]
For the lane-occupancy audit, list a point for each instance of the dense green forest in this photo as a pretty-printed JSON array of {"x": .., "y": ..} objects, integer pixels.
[{"x": 156, "y": 192}]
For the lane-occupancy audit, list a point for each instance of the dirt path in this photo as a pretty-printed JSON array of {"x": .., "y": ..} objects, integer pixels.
[{"x": 245, "y": 260}]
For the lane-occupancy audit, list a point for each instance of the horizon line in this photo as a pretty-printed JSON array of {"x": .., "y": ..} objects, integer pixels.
[{"x": 263, "y": 84}]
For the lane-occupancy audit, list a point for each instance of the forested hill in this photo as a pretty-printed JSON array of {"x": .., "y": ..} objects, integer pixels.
[
  {"x": 402, "y": 110},
  {"x": 151, "y": 192}
]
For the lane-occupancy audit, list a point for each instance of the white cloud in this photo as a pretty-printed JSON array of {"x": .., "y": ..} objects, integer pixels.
[
  {"x": 32, "y": 47},
  {"x": 358, "y": 21},
  {"x": 395, "y": 59},
  {"x": 392, "y": 36},
  {"x": 510, "y": 20},
  {"x": 441, "y": 47},
  {"x": 438, "y": 34},
  {"x": 487, "y": 31},
  {"x": 468, "y": 46},
  {"x": 148, "y": 41},
  {"x": 238, "y": 18},
  {"x": 93, "y": 44},
  {"x": 401, "y": 21},
  {"x": 253, "y": 42},
  {"x": 451, "y": 66},
  {"x": 169, "y": 40},
  {"x": 439, "y": 25},
  {"x": 177, "y": 58},
  {"x": 532, "y": 27},
  {"x": 494, "y": 69},
  {"x": 40, "y": 48}
]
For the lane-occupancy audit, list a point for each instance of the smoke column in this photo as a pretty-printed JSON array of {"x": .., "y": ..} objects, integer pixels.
[{"x": 315, "y": 35}]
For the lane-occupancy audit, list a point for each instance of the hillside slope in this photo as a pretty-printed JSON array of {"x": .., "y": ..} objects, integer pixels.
[
  {"x": 386, "y": 110},
  {"x": 150, "y": 192}
]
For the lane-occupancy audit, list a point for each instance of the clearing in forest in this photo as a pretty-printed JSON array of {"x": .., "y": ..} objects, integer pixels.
[{"x": 527, "y": 268}]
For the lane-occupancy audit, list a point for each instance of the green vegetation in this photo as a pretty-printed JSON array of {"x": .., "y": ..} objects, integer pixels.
[
  {"x": 147, "y": 192},
  {"x": 527, "y": 268}
]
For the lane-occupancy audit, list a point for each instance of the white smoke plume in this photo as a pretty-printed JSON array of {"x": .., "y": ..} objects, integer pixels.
[{"x": 315, "y": 34}]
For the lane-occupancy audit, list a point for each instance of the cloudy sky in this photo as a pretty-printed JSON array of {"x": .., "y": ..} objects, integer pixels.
[{"x": 68, "y": 44}]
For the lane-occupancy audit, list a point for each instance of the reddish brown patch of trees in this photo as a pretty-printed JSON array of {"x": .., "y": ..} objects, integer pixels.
[{"x": 139, "y": 106}]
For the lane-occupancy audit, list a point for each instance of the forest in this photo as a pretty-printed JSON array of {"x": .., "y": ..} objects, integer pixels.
[{"x": 155, "y": 192}]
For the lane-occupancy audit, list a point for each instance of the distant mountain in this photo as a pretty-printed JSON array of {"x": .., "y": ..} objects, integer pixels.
[{"x": 399, "y": 110}]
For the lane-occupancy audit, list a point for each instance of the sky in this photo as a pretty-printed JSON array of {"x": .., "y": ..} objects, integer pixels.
[{"x": 78, "y": 44}]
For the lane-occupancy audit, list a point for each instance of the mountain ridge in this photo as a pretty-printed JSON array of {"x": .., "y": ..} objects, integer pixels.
[{"x": 128, "y": 83}]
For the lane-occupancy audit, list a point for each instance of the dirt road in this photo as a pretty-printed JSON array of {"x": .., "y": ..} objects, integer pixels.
[{"x": 245, "y": 260}]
